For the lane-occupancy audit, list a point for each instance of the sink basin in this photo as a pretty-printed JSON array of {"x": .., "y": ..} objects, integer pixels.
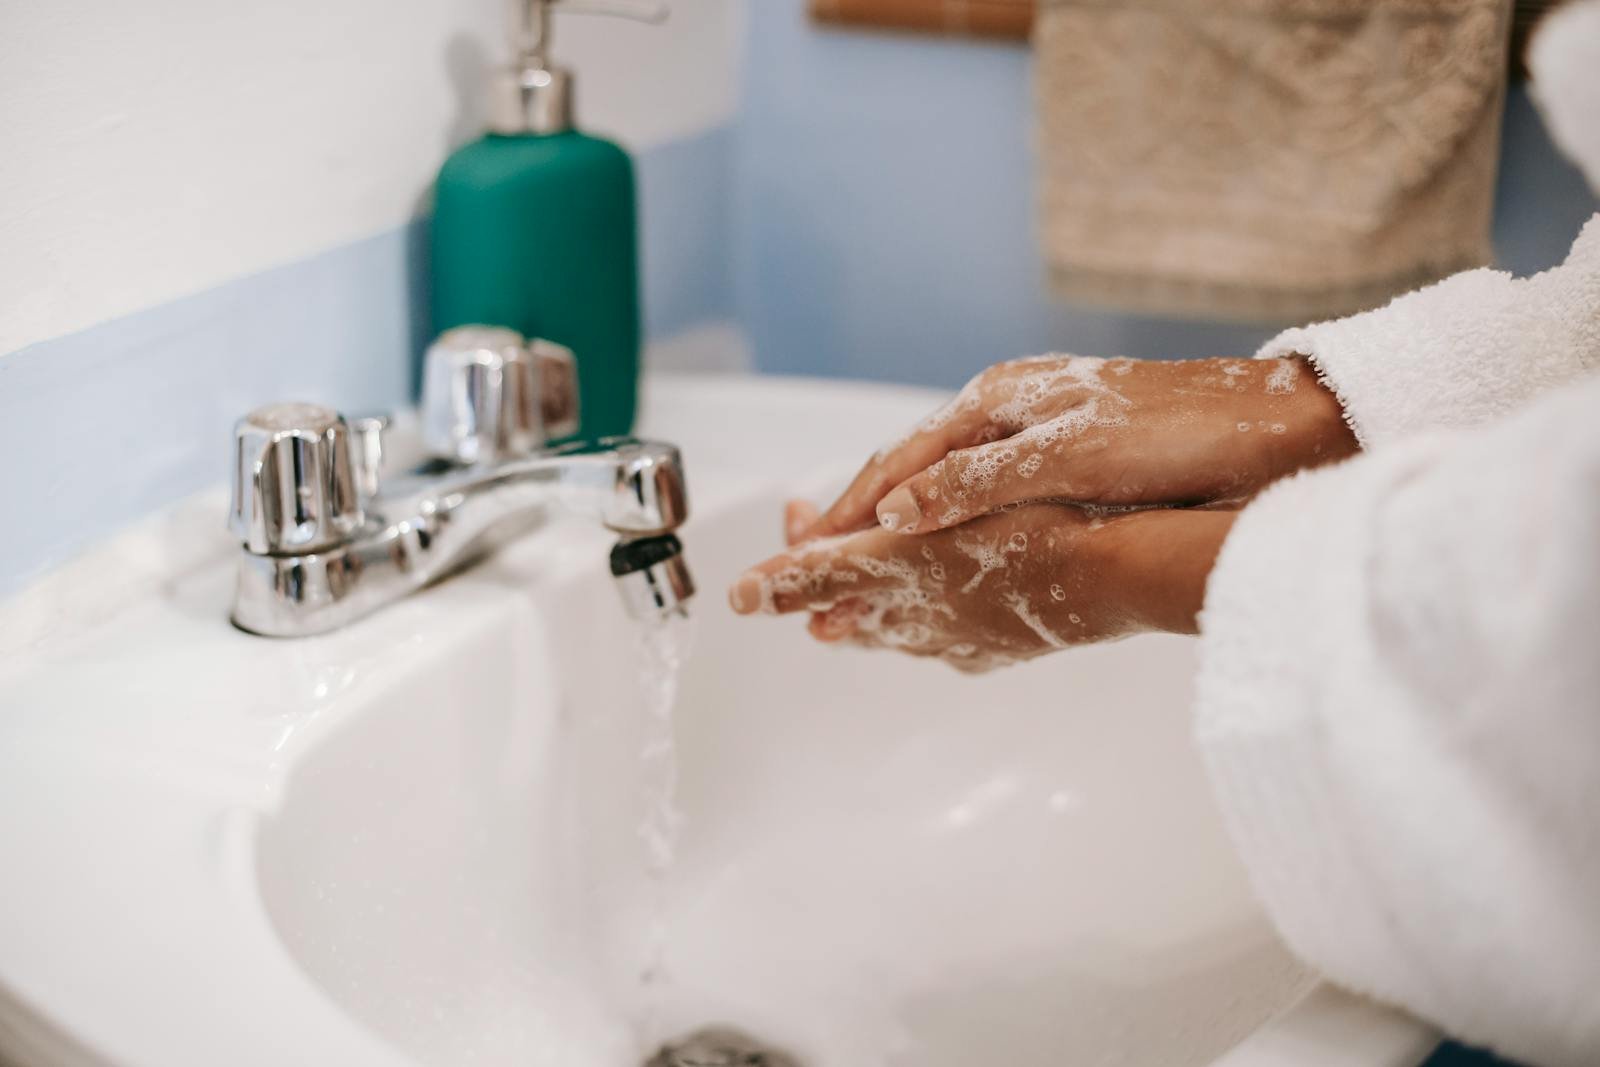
[{"x": 417, "y": 841}]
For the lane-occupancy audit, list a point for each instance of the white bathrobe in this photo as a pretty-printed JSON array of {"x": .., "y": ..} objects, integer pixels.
[{"x": 1399, "y": 697}]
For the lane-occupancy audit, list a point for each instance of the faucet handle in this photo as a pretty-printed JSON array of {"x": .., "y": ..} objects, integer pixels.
[
  {"x": 294, "y": 483},
  {"x": 489, "y": 394},
  {"x": 370, "y": 448},
  {"x": 558, "y": 387}
]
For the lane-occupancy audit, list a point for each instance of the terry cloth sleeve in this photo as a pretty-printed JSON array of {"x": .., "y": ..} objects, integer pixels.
[
  {"x": 1461, "y": 352},
  {"x": 1399, "y": 707}
]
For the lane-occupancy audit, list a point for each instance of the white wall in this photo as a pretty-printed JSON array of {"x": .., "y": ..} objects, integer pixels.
[{"x": 156, "y": 149}]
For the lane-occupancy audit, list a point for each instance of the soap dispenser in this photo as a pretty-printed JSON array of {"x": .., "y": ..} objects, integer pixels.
[{"x": 535, "y": 226}]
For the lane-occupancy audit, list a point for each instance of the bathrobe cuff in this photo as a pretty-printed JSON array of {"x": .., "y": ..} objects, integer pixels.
[{"x": 1461, "y": 352}]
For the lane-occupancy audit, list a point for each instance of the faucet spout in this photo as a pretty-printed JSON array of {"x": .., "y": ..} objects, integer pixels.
[
  {"x": 631, "y": 487},
  {"x": 652, "y": 576},
  {"x": 429, "y": 524}
]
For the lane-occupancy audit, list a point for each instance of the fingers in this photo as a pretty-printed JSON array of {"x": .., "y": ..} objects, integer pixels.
[
  {"x": 956, "y": 425},
  {"x": 798, "y": 517},
  {"x": 963, "y": 656},
  {"x": 977, "y": 481},
  {"x": 833, "y": 624},
  {"x": 810, "y": 577},
  {"x": 839, "y": 621}
]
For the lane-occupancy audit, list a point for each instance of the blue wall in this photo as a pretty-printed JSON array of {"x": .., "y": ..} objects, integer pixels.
[
  {"x": 1542, "y": 199},
  {"x": 886, "y": 212}
]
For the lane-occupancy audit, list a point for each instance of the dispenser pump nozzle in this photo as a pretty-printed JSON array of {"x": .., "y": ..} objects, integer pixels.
[{"x": 533, "y": 95}]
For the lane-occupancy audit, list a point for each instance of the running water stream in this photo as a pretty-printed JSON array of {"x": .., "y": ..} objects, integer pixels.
[{"x": 664, "y": 645}]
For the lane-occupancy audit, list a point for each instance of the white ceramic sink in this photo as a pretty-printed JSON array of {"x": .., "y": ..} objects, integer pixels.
[{"x": 415, "y": 841}]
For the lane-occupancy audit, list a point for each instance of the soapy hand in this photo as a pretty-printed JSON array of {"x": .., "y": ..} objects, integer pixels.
[
  {"x": 1110, "y": 432},
  {"x": 1003, "y": 588}
]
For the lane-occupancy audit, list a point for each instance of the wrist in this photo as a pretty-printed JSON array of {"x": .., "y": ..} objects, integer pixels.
[
  {"x": 1331, "y": 437},
  {"x": 1162, "y": 559}
]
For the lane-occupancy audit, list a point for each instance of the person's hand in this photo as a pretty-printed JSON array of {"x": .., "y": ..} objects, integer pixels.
[
  {"x": 1115, "y": 432},
  {"x": 1002, "y": 588}
]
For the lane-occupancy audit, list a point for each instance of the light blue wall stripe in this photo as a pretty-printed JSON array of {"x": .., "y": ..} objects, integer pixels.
[{"x": 103, "y": 426}]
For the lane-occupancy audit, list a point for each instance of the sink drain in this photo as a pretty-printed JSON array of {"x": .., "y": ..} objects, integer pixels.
[{"x": 720, "y": 1047}]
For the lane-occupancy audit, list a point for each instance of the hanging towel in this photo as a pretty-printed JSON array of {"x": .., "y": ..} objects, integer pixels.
[{"x": 1266, "y": 159}]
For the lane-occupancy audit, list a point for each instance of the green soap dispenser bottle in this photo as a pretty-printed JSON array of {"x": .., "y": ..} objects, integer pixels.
[{"x": 535, "y": 228}]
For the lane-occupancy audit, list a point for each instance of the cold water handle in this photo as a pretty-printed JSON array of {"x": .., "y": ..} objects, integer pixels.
[{"x": 488, "y": 394}]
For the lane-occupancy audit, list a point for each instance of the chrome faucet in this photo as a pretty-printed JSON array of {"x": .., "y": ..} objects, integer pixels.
[{"x": 329, "y": 537}]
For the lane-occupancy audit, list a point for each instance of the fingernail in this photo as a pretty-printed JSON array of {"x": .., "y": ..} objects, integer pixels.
[
  {"x": 899, "y": 511},
  {"x": 745, "y": 594}
]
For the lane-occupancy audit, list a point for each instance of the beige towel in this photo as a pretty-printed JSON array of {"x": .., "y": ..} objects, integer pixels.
[{"x": 1266, "y": 159}]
